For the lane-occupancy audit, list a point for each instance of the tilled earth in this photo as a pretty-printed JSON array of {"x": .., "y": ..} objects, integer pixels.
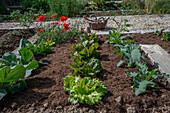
[
  {"x": 9, "y": 40},
  {"x": 45, "y": 92}
]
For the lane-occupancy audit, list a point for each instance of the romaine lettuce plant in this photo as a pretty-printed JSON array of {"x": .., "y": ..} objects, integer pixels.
[
  {"x": 88, "y": 67},
  {"x": 87, "y": 36},
  {"x": 144, "y": 78},
  {"x": 84, "y": 51},
  {"x": 84, "y": 90}
]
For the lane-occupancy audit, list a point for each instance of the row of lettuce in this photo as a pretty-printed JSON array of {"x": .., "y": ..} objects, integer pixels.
[
  {"x": 84, "y": 87},
  {"x": 126, "y": 47},
  {"x": 14, "y": 68}
]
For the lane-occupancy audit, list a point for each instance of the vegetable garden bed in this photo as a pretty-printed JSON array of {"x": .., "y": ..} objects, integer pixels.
[
  {"x": 9, "y": 40},
  {"x": 45, "y": 90}
]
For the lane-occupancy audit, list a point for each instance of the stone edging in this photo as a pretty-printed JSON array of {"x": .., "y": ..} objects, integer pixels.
[{"x": 138, "y": 31}]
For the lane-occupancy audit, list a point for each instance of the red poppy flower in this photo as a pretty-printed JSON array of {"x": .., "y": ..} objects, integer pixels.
[
  {"x": 66, "y": 26},
  {"x": 36, "y": 44},
  {"x": 39, "y": 30},
  {"x": 53, "y": 16},
  {"x": 54, "y": 22},
  {"x": 48, "y": 39},
  {"x": 40, "y": 18},
  {"x": 63, "y": 18}
]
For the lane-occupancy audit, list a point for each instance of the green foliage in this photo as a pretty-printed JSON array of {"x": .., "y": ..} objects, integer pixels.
[
  {"x": 86, "y": 47},
  {"x": 87, "y": 67},
  {"x": 131, "y": 53},
  {"x": 16, "y": 32},
  {"x": 25, "y": 20},
  {"x": 49, "y": 43},
  {"x": 92, "y": 38},
  {"x": 166, "y": 37},
  {"x": 84, "y": 50},
  {"x": 40, "y": 49},
  {"x": 3, "y": 7},
  {"x": 9, "y": 77},
  {"x": 99, "y": 2},
  {"x": 16, "y": 15},
  {"x": 159, "y": 32},
  {"x": 145, "y": 78},
  {"x": 84, "y": 90},
  {"x": 67, "y": 8},
  {"x": 37, "y": 4},
  {"x": 57, "y": 34},
  {"x": 24, "y": 58},
  {"x": 147, "y": 6}
]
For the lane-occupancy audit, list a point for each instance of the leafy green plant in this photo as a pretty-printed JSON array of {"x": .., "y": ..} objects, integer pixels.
[
  {"x": 157, "y": 32},
  {"x": 41, "y": 5},
  {"x": 84, "y": 50},
  {"x": 3, "y": 7},
  {"x": 39, "y": 49},
  {"x": 24, "y": 58},
  {"x": 99, "y": 2},
  {"x": 86, "y": 47},
  {"x": 27, "y": 19},
  {"x": 166, "y": 36},
  {"x": 122, "y": 25},
  {"x": 88, "y": 67},
  {"x": 9, "y": 77},
  {"x": 92, "y": 38},
  {"x": 67, "y": 8},
  {"x": 16, "y": 32},
  {"x": 145, "y": 78},
  {"x": 84, "y": 90},
  {"x": 16, "y": 15},
  {"x": 93, "y": 8},
  {"x": 131, "y": 53}
]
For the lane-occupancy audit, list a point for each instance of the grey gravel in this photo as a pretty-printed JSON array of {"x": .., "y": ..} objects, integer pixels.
[{"x": 137, "y": 22}]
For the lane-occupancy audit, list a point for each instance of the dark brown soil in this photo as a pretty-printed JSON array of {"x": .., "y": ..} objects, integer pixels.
[
  {"x": 3, "y": 32},
  {"x": 150, "y": 38},
  {"x": 9, "y": 40},
  {"x": 45, "y": 92}
]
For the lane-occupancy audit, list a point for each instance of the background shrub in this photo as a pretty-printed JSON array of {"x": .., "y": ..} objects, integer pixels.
[
  {"x": 3, "y": 7},
  {"x": 37, "y": 4},
  {"x": 67, "y": 8},
  {"x": 149, "y": 6}
]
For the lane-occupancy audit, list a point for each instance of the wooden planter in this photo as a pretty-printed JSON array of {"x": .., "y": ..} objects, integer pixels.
[{"x": 97, "y": 23}]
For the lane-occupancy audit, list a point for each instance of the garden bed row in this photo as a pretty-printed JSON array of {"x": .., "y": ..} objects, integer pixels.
[{"x": 45, "y": 86}]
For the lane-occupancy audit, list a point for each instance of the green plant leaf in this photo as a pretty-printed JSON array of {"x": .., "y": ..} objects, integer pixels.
[
  {"x": 26, "y": 55},
  {"x": 140, "y": 85},
  {"x": 10, "y": 57},
  {"x": 120, "y": 63},
  {"x": 84, "y": 90},
  {"x": 14, "y": 74},
  {"x": 18, "y": 87},
  {"x": 32, "y": 65},
  {"x": 2, "y": 93}
]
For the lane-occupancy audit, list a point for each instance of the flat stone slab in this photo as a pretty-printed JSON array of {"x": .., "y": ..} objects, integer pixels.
[{"x": 159, "y": 57}]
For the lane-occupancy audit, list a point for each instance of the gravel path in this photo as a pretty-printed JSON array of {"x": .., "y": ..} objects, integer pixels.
[{"x": 137, "y": 22}]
